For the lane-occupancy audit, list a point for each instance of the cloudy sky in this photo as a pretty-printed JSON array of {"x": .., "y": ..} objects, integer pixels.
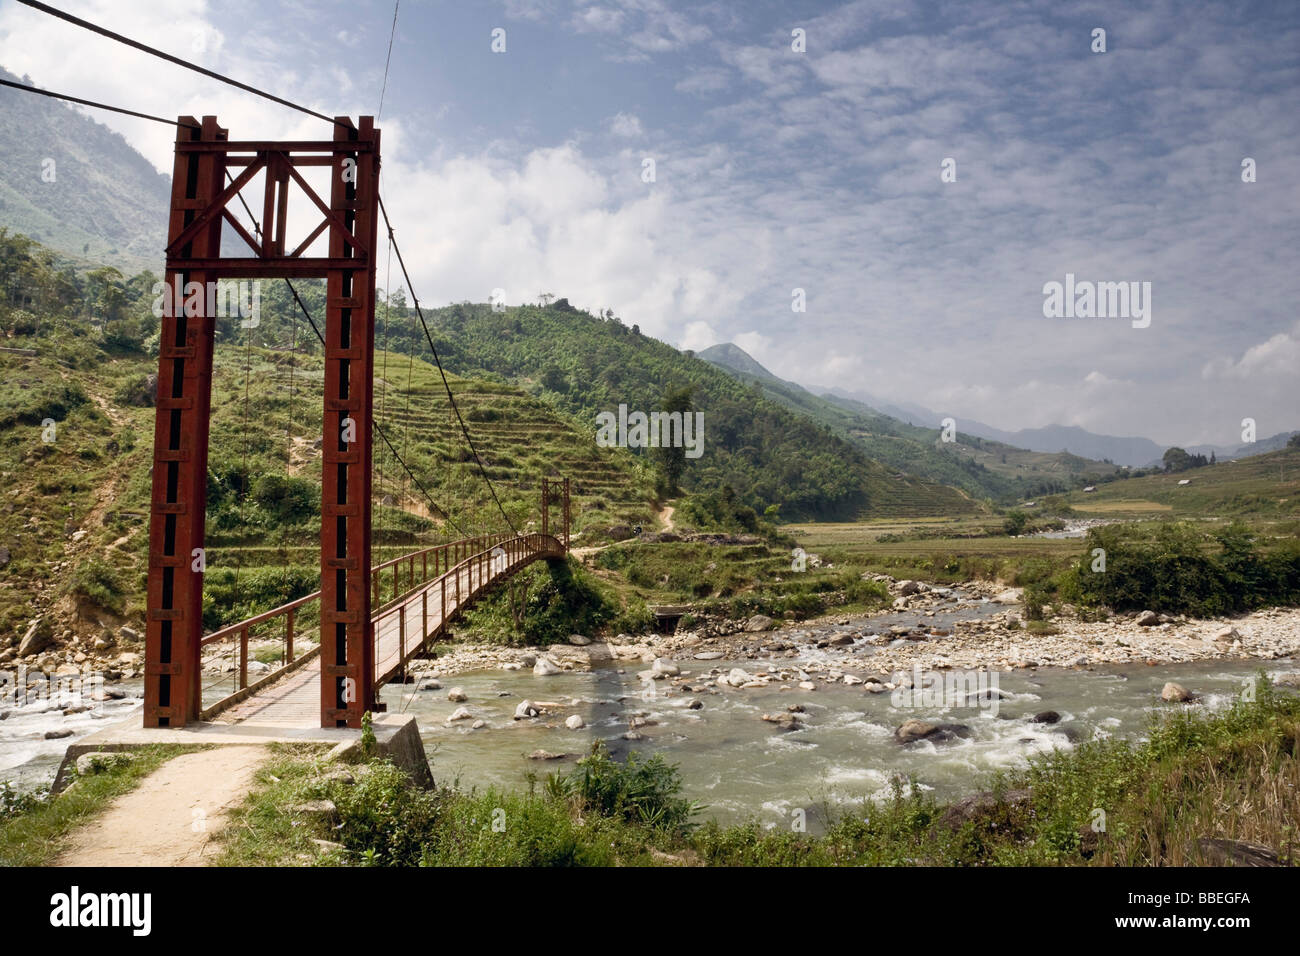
[{"x": 777, "y": 169}]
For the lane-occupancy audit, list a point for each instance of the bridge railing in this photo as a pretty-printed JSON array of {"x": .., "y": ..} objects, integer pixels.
[
  {"x": 287, "y": 617},
  {"x": 477, "y": 565},
  {"x": 466, "y": 568}
]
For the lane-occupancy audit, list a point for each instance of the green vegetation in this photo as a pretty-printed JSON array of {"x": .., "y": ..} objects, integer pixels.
[
  {"x": 545, "y": 603},
  {"x": 1179, "y": 568},
  {"x": 34, "y": 827},
  {"x": 1159, "y": 797}
]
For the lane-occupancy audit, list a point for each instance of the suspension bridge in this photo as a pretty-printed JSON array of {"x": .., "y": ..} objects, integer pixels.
[{"x": 364, "y": 640}]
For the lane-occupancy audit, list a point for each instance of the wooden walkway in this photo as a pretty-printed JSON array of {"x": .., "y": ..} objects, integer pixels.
[{"x": 402, "y": 628}]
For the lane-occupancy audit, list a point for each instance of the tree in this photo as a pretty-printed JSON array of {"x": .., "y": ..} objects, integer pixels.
[
  {"x": 546, "y": 298},
  {"x": 1293, "y": 441},
  {"x": 1176, "y": 459},
  {"x": 106, "y": 294},
  {"x": 673, "y": 460},
  {"x": 555, "y": 379}
]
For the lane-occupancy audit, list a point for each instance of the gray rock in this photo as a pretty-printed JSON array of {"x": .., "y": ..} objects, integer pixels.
[
  {"x": 545, "y": 755},
  {"x": 1045, "y": 717},
  {"x": 981, "y": 806},
  {"x": 914, "y": 730},
  {"x": 129, "y": 634},
  {"x": 1148, "y": 619},
  {"x": 1221, "y": 852},
  {"x": 457, "y": 695},
  {"x": 429, "y": 683},
  {"x": 759, "y": 622},
  {"x": 57, "y": 734},
  {"x": 38, "y": 637},
  {"x": 710, "y": 656},
  {"x": 545, "y": 667},
  {"x": 525, "y": 710},
  {"x": 1176, "y": 693},
  {"x": 579, "y": 640},
  {"x": 694, "y": 704},
  {"x": 664, "y": 667},
  {"x": 460, "y": 713},
  {"x": 574, "y": 722},
  {"x": 318, "y": 809}
]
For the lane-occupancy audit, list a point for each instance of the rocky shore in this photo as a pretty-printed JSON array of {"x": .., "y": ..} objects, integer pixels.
[{"x": 866, "y": 649}]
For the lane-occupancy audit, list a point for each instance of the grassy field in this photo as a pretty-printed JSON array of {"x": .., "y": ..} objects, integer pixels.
[{"x": 1263, "y": 486}]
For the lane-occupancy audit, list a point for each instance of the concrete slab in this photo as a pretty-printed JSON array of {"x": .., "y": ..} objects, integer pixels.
[{"x": 396, "y": 736}]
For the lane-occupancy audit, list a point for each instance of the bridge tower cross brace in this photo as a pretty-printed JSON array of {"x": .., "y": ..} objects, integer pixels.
[{"x": 199, "y": 210}]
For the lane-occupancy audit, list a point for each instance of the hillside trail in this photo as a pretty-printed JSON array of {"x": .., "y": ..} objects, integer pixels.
[
  {"x": 665, "y": 516},
  {"x": 172, "y": 816}
]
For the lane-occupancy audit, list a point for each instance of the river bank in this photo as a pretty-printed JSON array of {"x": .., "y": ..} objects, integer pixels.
[{"x": 970, "y": 626}]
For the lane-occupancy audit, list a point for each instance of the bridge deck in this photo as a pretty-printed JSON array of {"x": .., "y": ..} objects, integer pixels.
[{"x": 295, "y": 700}]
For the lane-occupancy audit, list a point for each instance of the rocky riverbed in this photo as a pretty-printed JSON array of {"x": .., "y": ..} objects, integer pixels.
[{"x": 972, "y": 626}]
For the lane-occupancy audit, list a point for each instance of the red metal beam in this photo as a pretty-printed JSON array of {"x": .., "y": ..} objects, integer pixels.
[
  {"x": 174, "y": 625},
  {"x": 347, "y": 637},
  {"x": 198, "y": 212}
]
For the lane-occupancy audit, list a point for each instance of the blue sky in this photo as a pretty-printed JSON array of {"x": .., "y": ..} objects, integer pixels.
[{"x": 779, "y": 170}]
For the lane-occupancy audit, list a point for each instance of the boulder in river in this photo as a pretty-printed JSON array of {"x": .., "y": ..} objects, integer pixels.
[
  {"x": 574, "y": 722},
  {"x": 913, "y": 730},
  {"x": 457, "y": 696},
  {"x": 545, "y": 755},
  {"x": 663, "y": 667},
  {"x": 1176, "y": 694},
  {"x": 525, "y": 710},
  {"x": 759, "y": 622},
  {"x": 545, "y": 667},
  {"x": 1045, "y": 717},
  {"x": 460, "y": 713}
]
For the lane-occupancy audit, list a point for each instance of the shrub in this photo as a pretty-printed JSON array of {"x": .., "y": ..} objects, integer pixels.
[{"x": 647, "y": 793}]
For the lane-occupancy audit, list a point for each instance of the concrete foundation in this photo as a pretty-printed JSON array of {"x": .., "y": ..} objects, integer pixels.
[{"x": 397, "y": 737}]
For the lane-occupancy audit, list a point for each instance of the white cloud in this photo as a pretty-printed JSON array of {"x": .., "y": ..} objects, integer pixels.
[{"x": 626, "y": 125}]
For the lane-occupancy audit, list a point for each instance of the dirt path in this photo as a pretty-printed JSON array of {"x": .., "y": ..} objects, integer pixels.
[
  {"x": 666, "y": 516},
  {"x": 170, "y": 818}
]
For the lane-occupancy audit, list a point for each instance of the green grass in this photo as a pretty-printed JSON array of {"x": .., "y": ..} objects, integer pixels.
[{"x": 38, "y": 831}]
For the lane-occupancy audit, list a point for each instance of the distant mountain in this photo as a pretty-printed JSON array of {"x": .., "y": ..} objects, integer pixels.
[
  {"x": 1135, "y": 452},
  {"x": 734, "y": 357},
  {"x": 979, "y": 466},
  {"x": 76, "y": 186}
]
